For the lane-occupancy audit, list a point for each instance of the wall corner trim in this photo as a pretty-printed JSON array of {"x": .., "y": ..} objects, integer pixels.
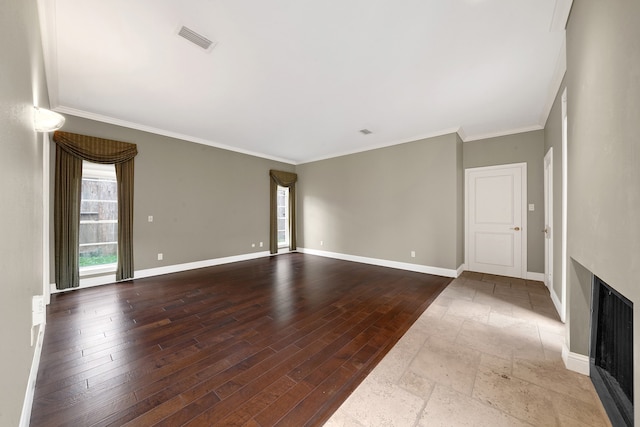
[
  {"x": 557, "y": 304},
  {"x": 460, "y": 270},
  {"x": 446, "y": 272},
  {"x": 575, "y": 362},
  {"x": 25, "y": 416}
]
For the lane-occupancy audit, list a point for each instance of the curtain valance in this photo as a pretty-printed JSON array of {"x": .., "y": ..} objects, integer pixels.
[
  {"x": 97, "y": 150},
  {"x": 283, "y": 179}
]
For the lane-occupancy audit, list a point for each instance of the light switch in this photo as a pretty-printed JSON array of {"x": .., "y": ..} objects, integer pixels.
[{"x": 532, "y": 207}]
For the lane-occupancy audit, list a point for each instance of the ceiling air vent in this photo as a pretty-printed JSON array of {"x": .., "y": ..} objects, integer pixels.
[
  {"x": 196, "y": 38},
  {"x": 365, "y": 131}
]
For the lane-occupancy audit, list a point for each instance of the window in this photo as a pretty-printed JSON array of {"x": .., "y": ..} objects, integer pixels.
[
  {"x": 98, "y": 218},
  {"x": 282, "y": 207}
]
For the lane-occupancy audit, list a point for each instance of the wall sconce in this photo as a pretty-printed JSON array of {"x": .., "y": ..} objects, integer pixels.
[{"x": 46, "y": 120}]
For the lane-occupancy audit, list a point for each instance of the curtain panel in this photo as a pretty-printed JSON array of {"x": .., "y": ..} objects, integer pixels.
[
  {"x": 282, "y": 179},
  {"x": 71, "y": 150}
]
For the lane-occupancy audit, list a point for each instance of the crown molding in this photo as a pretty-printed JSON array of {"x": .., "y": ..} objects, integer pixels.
[{"x": 163, "y": 132}]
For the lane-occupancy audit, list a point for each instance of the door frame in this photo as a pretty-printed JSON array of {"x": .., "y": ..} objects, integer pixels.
[
  {"x": 524, "y": 196},
  {"x": 549, "y": 230}
]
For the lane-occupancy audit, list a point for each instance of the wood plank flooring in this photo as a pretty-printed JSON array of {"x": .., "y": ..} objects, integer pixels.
[{"x": 274, "y": 341}]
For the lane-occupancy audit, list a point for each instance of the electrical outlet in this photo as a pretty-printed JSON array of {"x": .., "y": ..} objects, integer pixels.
[
  {"x": 160, "y": 257},
  {"x": 413, "y": 254},
  {"x": 150, "y": 218},
  {"x": 321, "y": 242},
  {"x": 261, "y": 244},
  {"x": 253, "y": 245}
]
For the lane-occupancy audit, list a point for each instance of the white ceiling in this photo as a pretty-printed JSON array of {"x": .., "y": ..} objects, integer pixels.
[{"x": 296, "y": 80}]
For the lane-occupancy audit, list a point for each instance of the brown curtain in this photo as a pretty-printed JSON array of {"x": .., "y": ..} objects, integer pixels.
[
  {"x": 71, "y": 149},
  {"x": 68, "y": 181},
  {"x": 282, "y": 179}
]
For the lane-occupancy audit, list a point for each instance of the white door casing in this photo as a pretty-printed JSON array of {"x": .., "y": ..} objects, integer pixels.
[
  {"x": 548, "y": 219},
  {"x": 495, "y": 219}
]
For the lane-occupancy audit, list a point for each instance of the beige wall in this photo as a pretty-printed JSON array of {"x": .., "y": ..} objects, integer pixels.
[
  {"x": 553, "y": 139},
  {"x": 206, "y": 202},
  {"x": 603, "y": 104},
  {"x": 21, "y": 87},
  {"x": 386, "y": 203},
  {"x": 526, "y": 148}
]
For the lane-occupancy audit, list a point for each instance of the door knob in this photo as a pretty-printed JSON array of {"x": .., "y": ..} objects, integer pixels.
[{"x": 516, "y": 228}]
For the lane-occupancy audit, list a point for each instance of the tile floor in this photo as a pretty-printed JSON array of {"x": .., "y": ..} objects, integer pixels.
[{"x": 487, "y": 352}]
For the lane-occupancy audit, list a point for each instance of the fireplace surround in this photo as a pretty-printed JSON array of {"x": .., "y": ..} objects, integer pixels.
[{"x": 611, "y": 353}]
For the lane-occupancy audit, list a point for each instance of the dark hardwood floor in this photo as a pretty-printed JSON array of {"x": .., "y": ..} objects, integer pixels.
[{"x": 274, "y": 341}]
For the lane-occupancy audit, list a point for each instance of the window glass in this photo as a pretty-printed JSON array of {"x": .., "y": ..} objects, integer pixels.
[
  {"x": 98, "y": 216},
  {"x": 282, "y": 210}
]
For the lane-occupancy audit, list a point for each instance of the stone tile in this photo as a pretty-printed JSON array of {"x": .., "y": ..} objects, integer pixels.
[
  {"x": 417, "y": 385},
  {"x": 498, "y": 364},
  {"x": 517, "y": 283},
  {"x": 541, "y": 300},
  {"x": 469, "y": 310},
  {"x": 548, "y": 311},
  {"x": 448, "y": 408},
  {"x": 519, "y": 338},
  {"x": 376, "y": 404},
  {"x": 552, "y": 375},
  {"x": 342, "y": 419},
  {"x": 586, "y": 414},
  {"x": 511, "y": 292},
  {"x": 570, "y": 422},
  {"x": 434, "y": 312},
  {"x": 518, "y": 398},
  {"x": 459, "y": 292},
  {"x": 471, "y": 275},
  {"x": 552, "y": 341},
  {"x": 496, "y": 279},
  {"x": 502, "y": 320},
  {"x": 485, "y": 338},
  {"x": 442, "y": 301},
  {"x": 543, "y": 320},
  {"x": 537, "y": 288},
  {"x": 497, "y": 300},
  {"x": 497, "y": 304},
  {"x": 445, "y": 362},
  {"x": 480, "y": 286},
  {"x": 447, "y": 325}
]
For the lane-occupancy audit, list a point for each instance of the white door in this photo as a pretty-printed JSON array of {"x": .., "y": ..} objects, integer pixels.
[
  {"x": 496, "y": 219},
  {"x": 548, "y": 219}
]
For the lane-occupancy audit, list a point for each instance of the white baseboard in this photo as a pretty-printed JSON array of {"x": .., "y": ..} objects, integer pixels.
[
  {"x": 385, "y": 263},
  {"x": 25, "y": 416},
  {"x": 139, "y": 274},
  {"x": 535, "y": 276},
  {"x": 575, "y": 362},
  {"x": 198, "y": 264},
  {"x": 461, "y": 270}
]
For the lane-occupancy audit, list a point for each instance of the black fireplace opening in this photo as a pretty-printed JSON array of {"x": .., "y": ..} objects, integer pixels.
[{"x": 611, "y": 354}]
